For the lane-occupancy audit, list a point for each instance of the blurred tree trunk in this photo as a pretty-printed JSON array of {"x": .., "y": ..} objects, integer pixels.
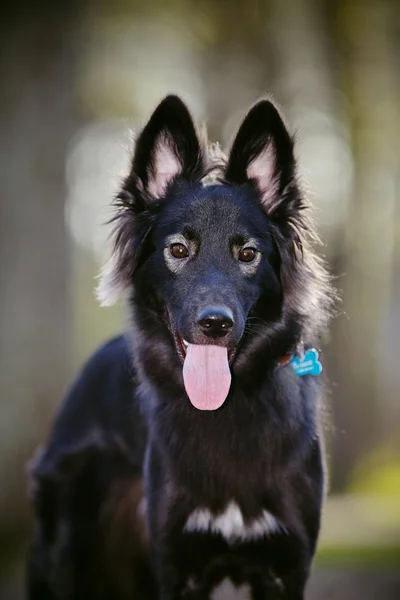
[
  {"x": 37, "y": 119},
  {"x": 369, "y": 77}
]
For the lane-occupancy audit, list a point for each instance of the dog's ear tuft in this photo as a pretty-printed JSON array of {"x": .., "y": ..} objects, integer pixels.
[
  {"x": 167, "y": 147},
  {"x": 262, "y": 154}
]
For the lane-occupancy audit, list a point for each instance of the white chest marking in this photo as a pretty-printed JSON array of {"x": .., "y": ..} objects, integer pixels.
[
  {"x": 227, "y": 591},
  {"x": 231, "y": 525}
]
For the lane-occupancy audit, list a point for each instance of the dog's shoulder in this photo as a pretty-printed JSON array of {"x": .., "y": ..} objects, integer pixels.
[
  {"x": 110, "y": 366},
  {"x": 104, "y": 385},
  {"x": 99, "y": 414}
]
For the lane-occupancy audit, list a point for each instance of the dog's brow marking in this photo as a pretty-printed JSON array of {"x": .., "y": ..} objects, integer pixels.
[
  {"x": 227, "y": 591},
  {"x": 174, "y": 265},
  {"x": 231, "y": 525},
  {"x": 249, "y": 269}
]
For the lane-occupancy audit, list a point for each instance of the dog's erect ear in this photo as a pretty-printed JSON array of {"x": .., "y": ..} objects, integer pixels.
[
  {"x": 262, "y": 154},
  {"x": 167, "y": 147}
]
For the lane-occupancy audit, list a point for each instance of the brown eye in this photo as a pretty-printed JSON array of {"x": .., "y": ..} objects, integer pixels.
[
  {"x": 179, "y": 251},
  {"x": 247, "y": 254}
]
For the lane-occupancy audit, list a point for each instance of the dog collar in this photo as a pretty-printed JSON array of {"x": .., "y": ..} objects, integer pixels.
[{"x": 306, "y": 363}]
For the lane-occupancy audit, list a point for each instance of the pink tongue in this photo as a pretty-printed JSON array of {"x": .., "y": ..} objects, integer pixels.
[{"x": 206, "y": 376}]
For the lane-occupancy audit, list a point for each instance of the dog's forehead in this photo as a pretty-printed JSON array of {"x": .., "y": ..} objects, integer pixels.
[{"x": 221, "y": 210}]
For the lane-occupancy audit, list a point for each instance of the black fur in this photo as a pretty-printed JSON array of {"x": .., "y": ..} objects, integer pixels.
[{"x": 128, "y": 415}]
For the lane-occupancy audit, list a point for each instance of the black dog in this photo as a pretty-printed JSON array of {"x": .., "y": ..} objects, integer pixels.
[{"x": 198, "y": 400}]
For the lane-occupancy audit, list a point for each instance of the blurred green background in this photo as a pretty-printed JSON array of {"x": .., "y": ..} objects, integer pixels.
[{"x": 75, "y": 79}]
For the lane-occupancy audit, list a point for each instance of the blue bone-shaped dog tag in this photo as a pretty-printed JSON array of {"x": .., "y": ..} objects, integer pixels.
[{"x": 308, "y": 365}]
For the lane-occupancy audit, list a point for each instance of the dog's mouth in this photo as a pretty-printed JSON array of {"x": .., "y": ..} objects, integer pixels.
[
  {"x": 182, "y": 346},
  {"x": 206, "y": 372}
]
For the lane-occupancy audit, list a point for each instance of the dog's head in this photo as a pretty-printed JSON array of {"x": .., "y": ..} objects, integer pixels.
[{"x": 217, "y": 269}]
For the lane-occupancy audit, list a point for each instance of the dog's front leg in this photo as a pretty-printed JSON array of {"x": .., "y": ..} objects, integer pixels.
[
  {"x": 161, "y": 508},
  {"x": 171, "y": 580},
  {"x": 294, "y": 583}
]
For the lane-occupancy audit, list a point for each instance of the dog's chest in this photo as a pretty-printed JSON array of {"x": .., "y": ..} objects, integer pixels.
[
  {"x": 231, "y": 524},
  {"x": 226, "y": 590},
  {"x": 223, "y": 590}
]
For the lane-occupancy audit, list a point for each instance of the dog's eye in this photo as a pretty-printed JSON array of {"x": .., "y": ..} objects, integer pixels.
[
  {"x": 179, "y": 250},
  {"x": 247, "y": 254}
]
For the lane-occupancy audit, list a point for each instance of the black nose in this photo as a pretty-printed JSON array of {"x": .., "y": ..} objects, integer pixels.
[{"x": 215, "y": 321}]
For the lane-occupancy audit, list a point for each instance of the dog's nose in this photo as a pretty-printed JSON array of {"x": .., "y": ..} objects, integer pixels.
[{"x": 215, "y": 321}]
